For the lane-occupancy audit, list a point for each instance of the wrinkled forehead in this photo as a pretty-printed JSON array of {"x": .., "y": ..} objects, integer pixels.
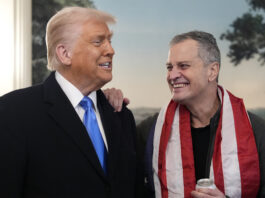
[
  {"x": 184, "y": 50},
  {"x": 94, "y": 26}
]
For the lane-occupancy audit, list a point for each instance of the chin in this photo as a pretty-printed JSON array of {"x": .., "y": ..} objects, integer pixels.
[
  {"x": 178, "y": 99},
  {"x": 108, "y": 79},
  {"x": 105, "y": 80}
]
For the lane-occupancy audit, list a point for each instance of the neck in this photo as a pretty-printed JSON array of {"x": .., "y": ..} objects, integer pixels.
[
  {"x": 202, "y": 111},
  {"x": 85, "y": 87}
]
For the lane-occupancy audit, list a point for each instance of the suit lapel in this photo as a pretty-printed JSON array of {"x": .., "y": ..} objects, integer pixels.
[
  {"x": 62, "y": 111},
  {"x": 113, "y": 130}
]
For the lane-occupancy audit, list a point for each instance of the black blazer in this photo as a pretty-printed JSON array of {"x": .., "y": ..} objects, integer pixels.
[{"x": 45, "y": 151}]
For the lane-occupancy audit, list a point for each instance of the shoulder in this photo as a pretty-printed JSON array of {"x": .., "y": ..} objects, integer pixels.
[
  {"x": 21, "y": 96},
  {"x": 104, "y": 103},
  {"x": 15, "y": 107},
  {"x": 258, "y": 124},
  {"x": 20, "y": 105},
  {"x": 127, "y": 117},
  {"x": 256, "y": 119}
]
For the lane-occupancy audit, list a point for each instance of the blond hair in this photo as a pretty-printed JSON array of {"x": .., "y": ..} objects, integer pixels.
[{"x": 65, "y": 26}]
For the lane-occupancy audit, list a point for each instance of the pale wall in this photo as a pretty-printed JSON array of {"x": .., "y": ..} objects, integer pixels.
[{"x": 15, "y": 44}]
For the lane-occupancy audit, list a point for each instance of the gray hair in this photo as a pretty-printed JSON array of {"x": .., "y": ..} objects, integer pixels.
[
  {"x": 65, "y": 27},
  {"x": 208, "y": 50}
]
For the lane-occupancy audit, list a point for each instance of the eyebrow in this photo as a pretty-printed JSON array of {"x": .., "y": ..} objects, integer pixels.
[
  {"x": 110, "y": 35},
  {"x": 181, "y": 62},
  {"x": 103, "y": 36},
  {"x": 177, "y": 63}
]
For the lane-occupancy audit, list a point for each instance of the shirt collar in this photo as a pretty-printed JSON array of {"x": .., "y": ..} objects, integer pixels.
[{"x": 72, "y": 93}]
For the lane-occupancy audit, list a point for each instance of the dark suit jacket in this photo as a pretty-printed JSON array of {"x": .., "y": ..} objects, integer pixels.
[{"x": 45, "y": 151}]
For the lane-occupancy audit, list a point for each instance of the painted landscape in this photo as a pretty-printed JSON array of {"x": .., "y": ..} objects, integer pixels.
[{"x": 141, "y": 114}]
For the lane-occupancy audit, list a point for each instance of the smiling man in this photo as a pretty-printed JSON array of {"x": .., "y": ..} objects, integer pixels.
[
  {"x": 204, "y": 131},
  {"x": 62, "y": 138}
]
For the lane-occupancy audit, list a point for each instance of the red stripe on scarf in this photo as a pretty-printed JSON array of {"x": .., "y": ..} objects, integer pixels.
[
  {"x": 247, "y": 150},
  {"x": 166, "y": 130},
  {"x": 186, "y": 151}
]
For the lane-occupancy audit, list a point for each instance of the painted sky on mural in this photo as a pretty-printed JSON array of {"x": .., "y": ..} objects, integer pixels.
[{"x": 141, "y": 36}]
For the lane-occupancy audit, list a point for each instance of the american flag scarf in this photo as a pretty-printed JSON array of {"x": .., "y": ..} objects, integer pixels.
[{"x": 234, "y": 164}]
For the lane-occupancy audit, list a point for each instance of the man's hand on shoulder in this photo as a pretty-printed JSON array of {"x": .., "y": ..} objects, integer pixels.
[{"x": 115, "y": 98}]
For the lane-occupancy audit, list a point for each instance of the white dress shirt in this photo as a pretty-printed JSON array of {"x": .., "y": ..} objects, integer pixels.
[{"x": 75, "y": 97}]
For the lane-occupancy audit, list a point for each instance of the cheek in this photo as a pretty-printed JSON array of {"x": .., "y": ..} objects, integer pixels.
[
  {"x": 90, "y": 55},
  {"x": 90, "y": 60},
  {"x": 95, "y": 53},
  {"x": 84, "y": 60},
  {"x": 200, "y": 82}
]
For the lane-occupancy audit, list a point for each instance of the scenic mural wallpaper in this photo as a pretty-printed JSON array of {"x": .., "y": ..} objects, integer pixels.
[{"x": 141, "y": 38}]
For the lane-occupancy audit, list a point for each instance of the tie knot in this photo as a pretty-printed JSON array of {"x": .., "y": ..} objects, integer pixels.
[{"x": 86, "y": 103}]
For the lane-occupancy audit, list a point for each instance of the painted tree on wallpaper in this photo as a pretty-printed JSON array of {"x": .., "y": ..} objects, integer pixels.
[
  {"x": 247, "y": 34},
  {"x": 42, "y": 10}
]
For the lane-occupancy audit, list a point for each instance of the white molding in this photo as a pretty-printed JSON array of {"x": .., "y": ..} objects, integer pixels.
[
  {"x": 22, "y": 43},
  {"x": 7, "y": 46}
]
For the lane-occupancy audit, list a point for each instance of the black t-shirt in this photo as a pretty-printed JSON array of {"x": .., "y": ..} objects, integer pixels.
[{"x": 200, "y": 142}]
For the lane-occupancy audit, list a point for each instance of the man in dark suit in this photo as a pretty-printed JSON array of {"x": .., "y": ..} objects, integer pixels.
[{"x": 47, "y": 134}]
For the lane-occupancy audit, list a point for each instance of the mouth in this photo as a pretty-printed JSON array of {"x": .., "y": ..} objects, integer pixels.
[
  {"x": 106, "y": 65},
  {"x": 177, "y": 85},
  {"x": 180, "y": 85}
]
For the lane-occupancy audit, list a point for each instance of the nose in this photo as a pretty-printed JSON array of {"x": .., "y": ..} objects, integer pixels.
[
  {"x": 109, "y": 51},
  {"x": 174, "y": 74}
]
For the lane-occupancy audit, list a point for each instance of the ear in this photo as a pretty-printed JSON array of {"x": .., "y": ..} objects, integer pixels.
[
  {"x": 63, "y": 54},
  {"x": 213, "y": 71}
]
